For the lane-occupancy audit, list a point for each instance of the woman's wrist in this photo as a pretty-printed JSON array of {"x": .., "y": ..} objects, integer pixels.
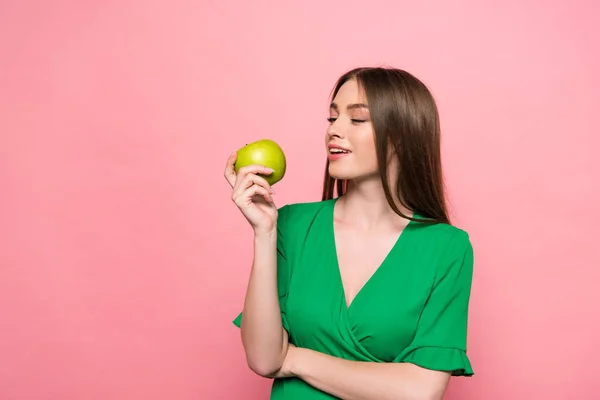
[{"x": 265, "y": 233}]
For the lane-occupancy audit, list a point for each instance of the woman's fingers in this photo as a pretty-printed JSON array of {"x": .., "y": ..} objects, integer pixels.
[
  {"x": 233, "y": 178},
  {"x": 251, "y": 182},
  {"x": 244, "y": 198},
  {"x": 251, "y": 170},
  {"x": 254, "y": 169},
  {"x": 230, "y": 175},
  {"x": 252, "y": 179}
]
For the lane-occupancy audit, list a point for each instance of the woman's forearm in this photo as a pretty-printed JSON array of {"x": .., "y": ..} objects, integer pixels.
[
  {"x": 264, "y": 339},
  {"x": 355, "y": 380}
]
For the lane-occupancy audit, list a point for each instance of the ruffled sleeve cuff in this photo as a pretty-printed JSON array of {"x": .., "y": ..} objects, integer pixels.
[
  {"x": 438, "y": 359},
  {"x": 238, "y": 321}
]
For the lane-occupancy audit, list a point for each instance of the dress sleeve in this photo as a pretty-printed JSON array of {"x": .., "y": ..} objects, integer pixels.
[
  {"x": 441, "y": 334},
  {"x": 283, "y": 269}
]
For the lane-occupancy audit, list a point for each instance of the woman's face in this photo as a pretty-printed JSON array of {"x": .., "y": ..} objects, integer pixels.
[{"x": 350, "y": 139}]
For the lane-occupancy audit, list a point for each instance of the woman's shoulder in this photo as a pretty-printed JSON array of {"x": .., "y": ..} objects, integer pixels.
[
  {"x": 447, "y": 250},
  {"x": 302, "y": 211},
  {"x": 445, "y": 236}
]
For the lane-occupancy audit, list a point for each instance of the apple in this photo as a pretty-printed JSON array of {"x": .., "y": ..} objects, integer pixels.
[{"x": 263, "y": 152}]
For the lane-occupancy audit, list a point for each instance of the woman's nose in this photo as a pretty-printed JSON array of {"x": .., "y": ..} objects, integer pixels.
[{"x": 332, "y": 131}]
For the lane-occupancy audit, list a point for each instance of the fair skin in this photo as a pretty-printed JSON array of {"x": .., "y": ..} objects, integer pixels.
[
  {"x": 264, "y": 339},
  {"x": 366, "y": 228}
]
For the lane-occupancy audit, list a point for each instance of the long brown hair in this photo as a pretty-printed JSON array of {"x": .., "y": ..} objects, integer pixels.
[{"x": 405, "y": 116}]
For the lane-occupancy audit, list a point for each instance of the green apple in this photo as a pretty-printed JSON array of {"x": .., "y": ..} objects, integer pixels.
[{"x": 263, "y": 152}]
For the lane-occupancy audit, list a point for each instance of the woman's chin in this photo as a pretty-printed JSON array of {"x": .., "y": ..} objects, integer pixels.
[
  {"x": 343, "y": 177},
  {"x": 349, "y": 175},
  {"x": 335, "y": 173}
]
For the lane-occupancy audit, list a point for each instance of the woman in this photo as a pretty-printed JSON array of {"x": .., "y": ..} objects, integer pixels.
[{"x": 364, "y": 295}]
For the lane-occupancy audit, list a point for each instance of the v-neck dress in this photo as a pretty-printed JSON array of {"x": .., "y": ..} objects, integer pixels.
[{"x": 413, "y": 309}]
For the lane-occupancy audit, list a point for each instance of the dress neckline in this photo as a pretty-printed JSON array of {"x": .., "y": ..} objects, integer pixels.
[{"x": 397, "y": 244}]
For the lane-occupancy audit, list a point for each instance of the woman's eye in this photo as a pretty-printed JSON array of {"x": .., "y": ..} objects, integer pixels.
[{"x": 353, "y": 120}]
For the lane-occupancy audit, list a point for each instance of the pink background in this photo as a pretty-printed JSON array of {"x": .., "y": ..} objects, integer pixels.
[{"x": 122, "y": 259}]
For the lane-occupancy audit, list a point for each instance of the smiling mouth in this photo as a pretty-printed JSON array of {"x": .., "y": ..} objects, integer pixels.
[{"x": 338, "y": 151}]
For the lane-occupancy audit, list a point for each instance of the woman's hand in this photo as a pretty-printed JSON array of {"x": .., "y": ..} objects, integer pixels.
[
  {"x": 253, "y": 195},
  {"x": 291, "y": 357}
]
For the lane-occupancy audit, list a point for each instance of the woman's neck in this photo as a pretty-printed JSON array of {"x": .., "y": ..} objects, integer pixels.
[{"x": 364, "y": 204}]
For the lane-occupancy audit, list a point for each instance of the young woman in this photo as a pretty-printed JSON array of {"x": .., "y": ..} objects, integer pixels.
[{"x": 364, "y": 295}]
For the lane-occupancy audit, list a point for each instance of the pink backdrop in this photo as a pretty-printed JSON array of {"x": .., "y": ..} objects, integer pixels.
[{"x": 122, "y": 259}]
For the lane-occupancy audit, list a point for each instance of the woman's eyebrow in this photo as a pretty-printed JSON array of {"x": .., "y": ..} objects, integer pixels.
[{"x": 335, "y": 107}]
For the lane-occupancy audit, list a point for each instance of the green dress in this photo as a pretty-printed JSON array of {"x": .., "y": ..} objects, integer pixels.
[{"x": 413, "y": 309}]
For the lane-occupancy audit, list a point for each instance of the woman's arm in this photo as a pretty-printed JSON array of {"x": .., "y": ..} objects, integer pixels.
[
  {"x": 356, "y": 380},
  {"x": 264, "y": 339},
  {"x": 263, "y": 336}
]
